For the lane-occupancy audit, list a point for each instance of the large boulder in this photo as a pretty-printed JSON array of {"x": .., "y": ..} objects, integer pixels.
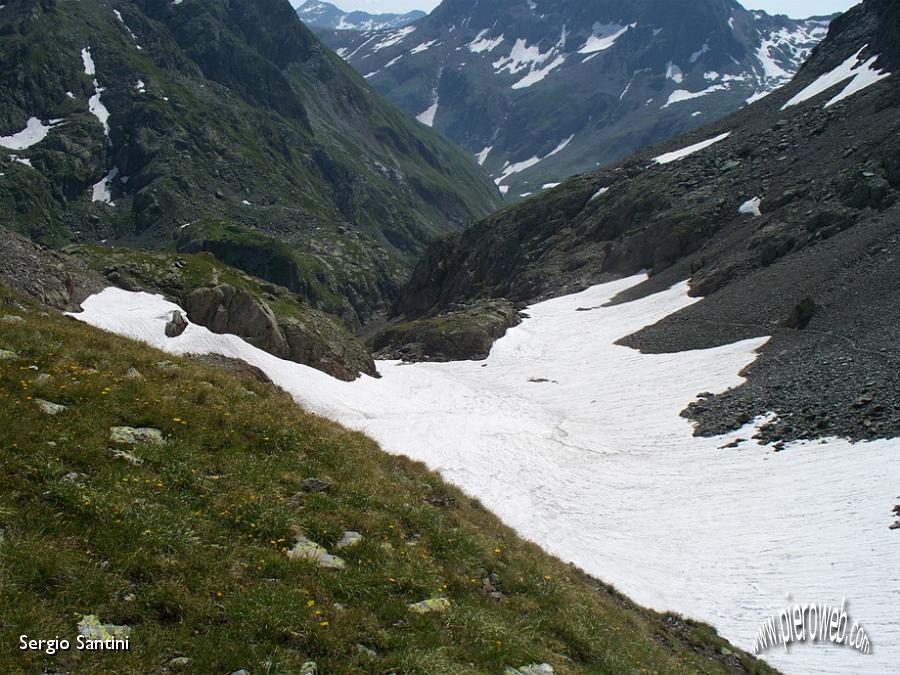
[{"x": 225, "y": 309}]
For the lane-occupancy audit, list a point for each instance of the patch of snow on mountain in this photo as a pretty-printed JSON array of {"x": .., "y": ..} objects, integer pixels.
[
  {"x": 603, "y": 37},
  {"x": 548, "y": 186},
  {"x": 426, "y": 117},
  {"x": 21, "y": 160},
  {"x": 670, "y": 157},
  {"x": 597, "y": 466},
  {"x": 751, "y": 207},
  {"x": 599, "y": 193},
  {"x": 34, "y": 132},
  {"x": 863, "y": 74},
  {"x": 102, "y": 190},
  {"x": 537, "y": 74},
  {"x": 140, "y": 86},
  {"x": 422, "y": 47},
  {"x": 482, "y": 156},
  {"x": 95, "y": 105},
  {"x": 509, "y": 169},
  {"x": 393, "y": 38},
  {"x": 674, "y": 73},
  {"x": 89, "y": 67},
  {"x": 127, "y": 29},
  {"x": 700, "y": 52},
  {"x": 680, "y": 95},
  {"x": 484, "y": 44}
]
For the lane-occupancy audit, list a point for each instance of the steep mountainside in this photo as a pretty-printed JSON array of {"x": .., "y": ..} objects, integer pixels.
[
  {"x": 784, "y": 217},
  {"x": 223, "y": 528},
  {"x": 325, "y": 15},
  {"x": 224, "y": 126},
  {"x": 540, "y": 90}
]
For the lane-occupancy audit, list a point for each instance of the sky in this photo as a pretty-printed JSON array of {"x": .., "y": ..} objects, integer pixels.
[{"x": 795, "y": 8}]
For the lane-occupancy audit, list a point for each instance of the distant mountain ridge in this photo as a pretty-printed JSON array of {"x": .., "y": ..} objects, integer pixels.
[
  {"x": 492, "y": 75},
  {"x": 318, "y": 14}
]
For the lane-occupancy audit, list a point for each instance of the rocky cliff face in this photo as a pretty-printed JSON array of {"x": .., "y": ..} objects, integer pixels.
[
  {"x": 782, "y": 216},
  {"x": 538, "y": 91},
  {"x": 123, "y": 123}
]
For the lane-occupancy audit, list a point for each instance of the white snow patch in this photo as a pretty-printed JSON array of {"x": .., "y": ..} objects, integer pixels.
[
  {"x": 102, "y": 190},
  {"x": 863, "y": 74},
  {"x": 89, "y": 67},
  {"x": 140, "y": 86},
  {"x": 95, "y": 105},
  {"x": 422, "y": 47},
  {"x": 484, "y": 44},
  {"x": 598, "y": 467},
  {"x": 503, "y": 189},
  {"x": 127, "y": 29},
  {"x": 509, "y": 169},
  {"x": 599, "y": 193},
  {"x": 674, "y": 73},
  {"x": 21, "y": 160},
  {"x": 426, "y": 117},
  {"x": 680, "y": 95},
  {"x": 34, "y": 132},
  {"x": 603, "y": 37},
  {"x": 538, "y": 74},
  {"x": 482, "y": 156},
  {"x": 522, "y": 57},
  {"x": 670, "y": 157},
  {"x": 393, "y": 38},
  {"x": 751, "y": 207},
  {"x": 548, "y": 186}
]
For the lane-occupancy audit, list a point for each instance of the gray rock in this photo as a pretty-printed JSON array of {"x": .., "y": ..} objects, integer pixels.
[
  {"x": 309, "y": 668},
  {"x": 531, "y": 669},
  {"x": 6, "y": 354},
  {"x": 239, "y": 672},
  {"x": 306, "y": 549},
  {"x": 134, "y": 374},
  {"x": 226, "y": 309},
  {"x": 73, "y": 477},
  {"x": 365, "y": 651},
  {"x": 91, "y": 628},
  {"x": 430, "y": 606},
  {"x": 127, "y": 456},
  {"x": 12, "y": 318},
  {"x": 48, "y": 407},
  {"x": 180, "y": 663},
  {"x": 349, "y": 539},
  {"x": 310, "y": 485},
  {"x": 136, "y": 436},
  {"x": 42, "y": 378},
  {"x": 176, "y": 325}
]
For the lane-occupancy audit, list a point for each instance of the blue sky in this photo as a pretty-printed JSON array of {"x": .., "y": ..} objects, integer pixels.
[{"x": 795, "y": 8}]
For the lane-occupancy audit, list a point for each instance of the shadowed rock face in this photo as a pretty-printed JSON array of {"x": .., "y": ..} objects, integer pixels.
[
  {"x": 49, "y": 277},
  {"x": 224, "y": 309}
]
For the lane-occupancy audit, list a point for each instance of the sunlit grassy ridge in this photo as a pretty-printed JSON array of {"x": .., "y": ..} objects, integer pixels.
[{"x": 189, "y": 548}]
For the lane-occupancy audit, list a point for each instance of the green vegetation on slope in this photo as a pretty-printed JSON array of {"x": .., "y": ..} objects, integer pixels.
[
  {"x": 189, "y": 546},
  {"x": 231, "y": 111}
]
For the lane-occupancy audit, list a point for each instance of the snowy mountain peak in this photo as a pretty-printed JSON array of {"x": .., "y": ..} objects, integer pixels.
[
  {"x": 632, "y": 73},
  {"x": 318, "y": 14}
]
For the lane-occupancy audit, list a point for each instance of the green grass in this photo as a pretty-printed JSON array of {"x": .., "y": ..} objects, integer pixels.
[{"x": 189, "y": 548}]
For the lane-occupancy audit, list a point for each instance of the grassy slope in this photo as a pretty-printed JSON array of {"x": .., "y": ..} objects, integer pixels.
[{"x": 189, "y": 547}]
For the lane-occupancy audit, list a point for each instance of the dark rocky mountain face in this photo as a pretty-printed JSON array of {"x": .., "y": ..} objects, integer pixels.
[
  {"x": 539, "y": 90},
  {"x": 220, "y": 126},
  {"x": 325, "y": 15},
  {"x": 784, "y": 218}
]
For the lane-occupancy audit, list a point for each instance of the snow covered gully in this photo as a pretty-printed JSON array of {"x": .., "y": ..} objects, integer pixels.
[{"x": 578, "y": 444}]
